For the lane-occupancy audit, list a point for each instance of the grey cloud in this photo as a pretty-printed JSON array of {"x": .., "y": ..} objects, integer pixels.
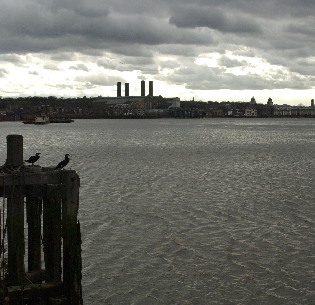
[
  {"x": 91, "y": 8},
  {"x": 81, "y": 67},
  {"x": 134, "y": 50},
  {"x": 51, "y": 66},
  {"x": 134, "y": 35},
  {"x": 3, "y": 72},
  {"x": 306, "y": 28},
  {"x": 169, "y": 64},
  {"x": 304, "y": 67},
  {"x": 99, "y": 79},
  {"x": 61, "y": 56},
  {"x": 107, "y": 63},
  {"x": 216, "y": 19},
  {"x": 35, "y": 28},
  {"x": 205, "y": 78},
  {"x": 181, "y": 49},
  {"x": 12, "y": 58},
  {"x": 231, "y": 63},
  {"x": 127, "y": 63}
]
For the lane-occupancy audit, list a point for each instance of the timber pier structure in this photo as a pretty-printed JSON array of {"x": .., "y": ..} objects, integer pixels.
[{"x": 40, "y": 233}]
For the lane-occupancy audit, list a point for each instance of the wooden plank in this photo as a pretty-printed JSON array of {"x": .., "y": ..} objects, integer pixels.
[
  {"x": 15, "y": 229},
  {"x": 33, "y": 212},
  {"x": 34, "y": 292},
  {"x": 25, "y": 178},
  {"x": 52, "y": 234},
  {"x": 71, "y": 240}
]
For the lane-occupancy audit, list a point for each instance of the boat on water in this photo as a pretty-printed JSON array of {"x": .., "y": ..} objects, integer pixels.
[
  {"x": 39, "y": 120},
  {"x": 42, "y": 120}
]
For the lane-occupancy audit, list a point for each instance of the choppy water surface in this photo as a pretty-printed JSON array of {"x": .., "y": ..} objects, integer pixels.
[{"x": 209, "y": 211}]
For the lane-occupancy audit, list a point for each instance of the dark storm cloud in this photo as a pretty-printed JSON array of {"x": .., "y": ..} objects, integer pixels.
[
  {"x": 34, "y": 27},
  {"x": 95, "y": 8},
  {"x": 134, "y": 34},
  {"x": 305, "y": 29}
]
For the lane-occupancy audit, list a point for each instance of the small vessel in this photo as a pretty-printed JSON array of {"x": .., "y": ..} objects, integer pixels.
[{"x": 39, "y": 120}]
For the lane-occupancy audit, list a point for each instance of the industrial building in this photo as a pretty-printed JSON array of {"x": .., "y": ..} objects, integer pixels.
[
  {"x": 134, "y": 105},
  {"x": 127, "y": 98}
]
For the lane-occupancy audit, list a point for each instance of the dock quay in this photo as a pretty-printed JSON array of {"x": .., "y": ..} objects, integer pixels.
[{"x": 40, "y": 238}]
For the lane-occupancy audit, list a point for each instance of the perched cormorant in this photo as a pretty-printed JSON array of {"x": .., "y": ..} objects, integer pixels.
[
  {"x": 33, "y": 159},
  {"x": 64, "y": 162}
]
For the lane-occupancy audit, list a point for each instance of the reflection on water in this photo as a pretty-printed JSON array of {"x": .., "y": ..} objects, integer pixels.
[{"x": 198, "y": 212}]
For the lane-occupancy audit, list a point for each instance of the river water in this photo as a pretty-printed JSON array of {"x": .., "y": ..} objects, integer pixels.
[{"x": 202, "y": 211}]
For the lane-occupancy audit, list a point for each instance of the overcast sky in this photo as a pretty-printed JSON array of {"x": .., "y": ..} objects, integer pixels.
[{"x": 202, "y": 49}]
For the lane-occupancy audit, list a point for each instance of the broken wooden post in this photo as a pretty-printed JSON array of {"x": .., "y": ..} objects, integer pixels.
[
  {"x": 15, "y": 214},
  {"x": 14, "y": 151}
]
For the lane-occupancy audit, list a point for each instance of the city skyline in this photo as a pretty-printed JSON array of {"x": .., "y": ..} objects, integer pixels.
[{"x": 209, "y": 50}]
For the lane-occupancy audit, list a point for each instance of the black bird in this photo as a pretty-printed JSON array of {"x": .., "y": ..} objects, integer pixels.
[
  {"x": 64, "y": 162},
  {"x": 33, "y": 159}
]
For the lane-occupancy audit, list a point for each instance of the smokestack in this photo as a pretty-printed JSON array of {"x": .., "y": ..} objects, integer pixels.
[
  {"x": 151, "y": 88},
  {"x": 126, "y": 89},
  {"x": 118, "y": 89},
  {"x": 142, "y": 88}
]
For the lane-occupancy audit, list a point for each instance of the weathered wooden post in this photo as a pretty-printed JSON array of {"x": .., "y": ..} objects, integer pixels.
[
  {"x": 52, "y": 234},
  {"x": 33, "y": 216},
  {"x": 71, "y": 239},
  {"x": 14, "y": 151},
  {"x": 15, "y": 214}
]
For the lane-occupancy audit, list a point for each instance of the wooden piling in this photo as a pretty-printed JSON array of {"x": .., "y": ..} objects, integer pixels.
[
  {"x": 14, "y": 150},
  {"x": 52, "y": 202},
  {"x": 15, "y": 227},
  {"x": 71, "y": 252},
  {"x": 15, "y": 218},
  {"x": 52, "y": 234},
  {"x": 33, "y": 212}
]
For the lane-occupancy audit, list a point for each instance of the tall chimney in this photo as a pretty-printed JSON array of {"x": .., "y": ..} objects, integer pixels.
[
  {"x": 312, "y": 102},
  {"x": 126, "y": 89},
  {"x": 142, "y": 88},
  {"x": 118, "y": 89},
  {"x": 151, "y": 88}
]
